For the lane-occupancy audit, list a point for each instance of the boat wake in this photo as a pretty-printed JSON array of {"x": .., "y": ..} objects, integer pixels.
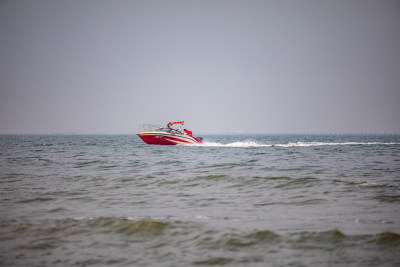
[
  {"x": 250, "y": 143},
  {"x": 246, "y": 143}
]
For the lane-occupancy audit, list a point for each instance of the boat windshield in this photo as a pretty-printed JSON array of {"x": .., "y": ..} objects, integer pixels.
[
  {"x": 169, "y": 130},
  {"x": 164, "y": 129}
]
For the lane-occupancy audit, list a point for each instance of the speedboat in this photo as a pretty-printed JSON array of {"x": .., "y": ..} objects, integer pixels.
[{"x": 159, "y": 135}]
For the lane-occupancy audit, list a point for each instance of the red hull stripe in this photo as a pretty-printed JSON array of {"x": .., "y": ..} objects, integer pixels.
[{"x": 167, "y": 139}]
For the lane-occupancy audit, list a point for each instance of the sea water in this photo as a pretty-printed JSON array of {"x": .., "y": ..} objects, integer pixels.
[{"x": 236, "y": 200}]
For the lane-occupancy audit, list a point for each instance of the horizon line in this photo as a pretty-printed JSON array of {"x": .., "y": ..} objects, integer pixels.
[{"x": 224, "y": 133}]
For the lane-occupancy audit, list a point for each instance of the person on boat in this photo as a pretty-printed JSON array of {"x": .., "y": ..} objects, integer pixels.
[
  {"x": 168, "y": 129},
  {"x": 187, "y": 132}
]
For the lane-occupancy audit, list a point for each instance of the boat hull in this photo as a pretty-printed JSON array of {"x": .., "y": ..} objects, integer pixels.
[{"x": 162, "y": 138}]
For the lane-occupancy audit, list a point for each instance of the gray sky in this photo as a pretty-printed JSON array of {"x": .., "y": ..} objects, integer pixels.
[{"x": 222, "y": 66}]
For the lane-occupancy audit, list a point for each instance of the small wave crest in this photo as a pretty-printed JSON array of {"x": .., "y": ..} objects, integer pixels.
[
  {"x": 299, "y": 182},
  {"x": 322, "y": 240},
  {"x": 386, "y": 238},
  {"x": 104, "y": 225},
  {"x": 128, "y": 226},
  {"x": 39, "y": 199}
]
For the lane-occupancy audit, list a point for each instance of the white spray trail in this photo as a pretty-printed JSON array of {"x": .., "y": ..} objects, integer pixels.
[{"x": 250, "y": 143}]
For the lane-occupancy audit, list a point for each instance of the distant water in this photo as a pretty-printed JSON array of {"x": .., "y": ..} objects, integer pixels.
[{"x": 236, "y": 200}]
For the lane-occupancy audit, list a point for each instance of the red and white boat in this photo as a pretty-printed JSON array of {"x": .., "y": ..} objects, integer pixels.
[{"x": 159, "y": 135}]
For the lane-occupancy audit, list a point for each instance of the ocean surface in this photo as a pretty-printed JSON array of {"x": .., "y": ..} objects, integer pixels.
[{"x": 236, "y": 200}]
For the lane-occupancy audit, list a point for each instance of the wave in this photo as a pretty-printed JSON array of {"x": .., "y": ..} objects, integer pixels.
[
  {"x": 299, "y": 182},
  {"x": 388, "y": 198},
  {"x": 129, "y": 226},
  {"x": 250, "y": 143},
  {"x": 40, "y": 199},
  {"x": 317, "y": 240},
  {"x": 104, "y": 225},
  {"x": 87, "y": 241},
  {"x": 203, "y": 235},
  {"x": 386, "y": 238}
]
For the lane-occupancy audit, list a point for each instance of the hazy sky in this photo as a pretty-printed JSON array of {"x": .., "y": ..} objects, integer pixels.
[{"x": 93, "y": 66}]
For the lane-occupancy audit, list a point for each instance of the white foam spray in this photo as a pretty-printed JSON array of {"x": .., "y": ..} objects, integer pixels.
[{"x": 250, "y": 143}]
